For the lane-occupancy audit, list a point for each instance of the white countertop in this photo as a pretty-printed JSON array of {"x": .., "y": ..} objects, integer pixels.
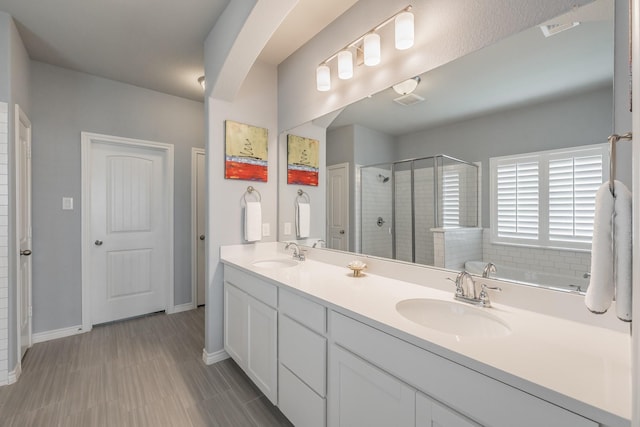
[{"x": 582, "y": 368}]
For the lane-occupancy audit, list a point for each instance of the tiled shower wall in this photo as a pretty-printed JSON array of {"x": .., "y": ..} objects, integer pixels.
[
  {"x": 4, "y": 244},
  {"x": 552, "y": 261},
  {"x": 376, "y": 202}
]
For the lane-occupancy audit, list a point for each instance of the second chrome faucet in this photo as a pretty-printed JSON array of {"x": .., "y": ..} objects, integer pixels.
[{"x": 466, "y": 290}]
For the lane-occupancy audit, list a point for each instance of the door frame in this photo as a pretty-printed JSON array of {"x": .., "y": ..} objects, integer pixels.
[
  {"x": 87, "y": 140},
  {"x": 195, "y": 152},
  {"x": 21, "y": 116}
]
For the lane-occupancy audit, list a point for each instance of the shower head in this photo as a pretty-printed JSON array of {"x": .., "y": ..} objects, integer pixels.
[{"x": 382, "y": 178}]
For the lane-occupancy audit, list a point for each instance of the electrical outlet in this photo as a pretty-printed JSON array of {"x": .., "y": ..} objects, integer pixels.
[
  {"x": 266, "y": 229},
  {"x": 287, "y": 229},
  {"x": 67, "y": 203}
]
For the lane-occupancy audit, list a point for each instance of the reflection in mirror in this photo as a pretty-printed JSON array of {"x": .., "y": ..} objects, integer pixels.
[{"x": 534, "y": 92}]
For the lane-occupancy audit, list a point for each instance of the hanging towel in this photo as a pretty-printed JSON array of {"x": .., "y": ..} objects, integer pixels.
[
  {"x": 622, "y": 251},
  {"x": 601, "y": 286},
  {"x": 611, "y": 252},
  {"x": 303, "y": 219},
  {"x": 253, "y": 222}
]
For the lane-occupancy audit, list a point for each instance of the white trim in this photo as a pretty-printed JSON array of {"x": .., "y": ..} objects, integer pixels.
[
  {"x": 57, "y": 333},
  {"x": 194, "y": 222},
  {"x": 86, "y": 142},
  {"x": 182, "y": 307},
  {"x": 211, "y": 358},
  {"x": 20, "y": 116},
  {"x": 14, "y": 375}
]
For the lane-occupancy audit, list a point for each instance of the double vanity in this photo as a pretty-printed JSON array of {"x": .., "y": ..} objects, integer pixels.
[{"x": 332, "y": 349}]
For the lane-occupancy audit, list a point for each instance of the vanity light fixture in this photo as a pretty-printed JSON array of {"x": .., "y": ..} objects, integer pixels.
[
  {"x": 368, "y": 45},
  {"x": 202, "y": 82},
  {"x": 345, "y": 64}
]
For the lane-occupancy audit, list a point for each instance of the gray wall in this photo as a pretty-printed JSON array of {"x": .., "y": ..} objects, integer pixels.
[
  {"x": 567, "y": 122},
  {"x": 66, "y": 103}
]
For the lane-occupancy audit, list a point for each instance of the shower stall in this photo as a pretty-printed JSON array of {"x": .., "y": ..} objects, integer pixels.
[{"x": 402, "y": 204}]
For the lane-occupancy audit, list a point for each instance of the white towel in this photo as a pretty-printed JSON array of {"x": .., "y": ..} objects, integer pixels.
[
  {"x": 611, "y": 235},
  {"x": 622, "y": 250},
  {"x": 253, "y": 222},
  {"x": 303, "y": 219}
]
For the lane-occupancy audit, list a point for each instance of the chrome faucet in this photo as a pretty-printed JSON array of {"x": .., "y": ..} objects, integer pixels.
[
  {"x": 466, "y": 290},
  {"x": 488, "y": 269},
  {"x": 297, "y": 252}
]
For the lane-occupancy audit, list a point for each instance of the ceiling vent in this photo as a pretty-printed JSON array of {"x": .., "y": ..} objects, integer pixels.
[
  {"x": 553, "y": 29},
  {"x": 409, "y": 99}
]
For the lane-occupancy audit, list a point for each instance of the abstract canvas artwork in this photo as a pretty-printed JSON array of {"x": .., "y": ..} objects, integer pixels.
[
  {"x": 302, "y": 160},
  {"x": 245, "y": 152}
]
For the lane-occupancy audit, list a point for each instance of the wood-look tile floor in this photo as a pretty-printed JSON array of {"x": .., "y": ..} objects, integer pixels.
[{"x": 146, "y": 371}]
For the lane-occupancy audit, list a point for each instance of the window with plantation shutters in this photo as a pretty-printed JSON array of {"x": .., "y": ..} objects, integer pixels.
[
  {"x": 547, "y": 198},
  {"x": 450, "y": 198}
]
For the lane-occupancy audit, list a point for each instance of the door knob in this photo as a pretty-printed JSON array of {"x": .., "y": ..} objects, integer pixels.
[
  {"x": 98, "y": 242},
  {"x": 26, "y": 252},
  {"x": 341, "y": 231},
  {"x": 202, "y": 237}
]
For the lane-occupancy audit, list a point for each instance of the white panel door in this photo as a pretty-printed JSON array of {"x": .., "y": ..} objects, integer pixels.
[
  {"x": 200, "y": 227},
  {"x": 130, "y": 229},
  {"x": 23, "y": 226},
  {"x": 338, "y": 207}
]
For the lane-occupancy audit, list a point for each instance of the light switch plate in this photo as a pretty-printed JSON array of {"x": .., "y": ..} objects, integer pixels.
[
  {"x": 287, "y": 229},
  {"x": 266, "y": 230},
  {"x": 67, "y": 203}
]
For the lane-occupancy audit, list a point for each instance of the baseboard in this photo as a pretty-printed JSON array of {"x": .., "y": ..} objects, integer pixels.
[
  {"x": 182, "y": 307},
  {"x": 211, "y": 358},
  {"x": 55, "y": 334},
  {"x": 15, "y": 374}
]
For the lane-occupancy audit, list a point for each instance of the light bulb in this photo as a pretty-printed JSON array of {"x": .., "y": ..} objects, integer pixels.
[
  {"x": 404, "y": 30},
  {"x": 345, "y": 64},
  {"x": 371, "y": 49},
  {"x": 323, "y": 78}
]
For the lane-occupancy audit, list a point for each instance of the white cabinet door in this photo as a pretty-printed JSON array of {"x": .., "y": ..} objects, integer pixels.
[
  {"x": 362, "y": 395},
  {"x": 262, "y": 358},
  {"x": 432, "y": 414},
  {"x": 235, "y": 323}
]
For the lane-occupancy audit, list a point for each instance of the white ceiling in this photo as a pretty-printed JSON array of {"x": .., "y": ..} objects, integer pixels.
[{"x": 155, "y": 44}]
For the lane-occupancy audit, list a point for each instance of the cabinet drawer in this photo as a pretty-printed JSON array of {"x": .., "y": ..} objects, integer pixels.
[
  {"x": 259, "y": 289},
  {"x": 307, "y": 312},
  {"x": 304, "y": 352},
  {"x": 298, "y": 402},
  {"x": 475, "y": 395}
]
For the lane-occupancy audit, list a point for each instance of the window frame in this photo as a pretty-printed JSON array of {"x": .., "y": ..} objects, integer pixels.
[{"x": 543, "y": 158}]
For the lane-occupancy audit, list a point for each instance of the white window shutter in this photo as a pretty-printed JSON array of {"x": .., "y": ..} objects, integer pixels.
[
  {"x": 518, "y": 200},
  {"x": 450, "y": 198}
]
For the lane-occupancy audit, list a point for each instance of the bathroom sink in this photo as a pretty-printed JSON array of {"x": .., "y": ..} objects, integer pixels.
[
  {"x": 453, "y": 318},
  {"x": 275, "y": 263}
]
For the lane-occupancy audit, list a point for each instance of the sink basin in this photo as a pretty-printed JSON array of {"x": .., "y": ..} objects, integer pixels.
[
  {"x": 453, "y": 318},
  {"x": 275, "y": 263}
]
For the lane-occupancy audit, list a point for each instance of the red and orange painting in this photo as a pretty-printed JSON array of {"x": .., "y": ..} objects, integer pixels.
[
  {"x": 302, "y": 160},
  {"x": 245, "y": 152}
]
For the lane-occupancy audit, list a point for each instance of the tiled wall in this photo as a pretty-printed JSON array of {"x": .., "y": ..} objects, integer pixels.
[
  {"x": 453, "y": 247},
  {"x": 552, "y": 261},
  {"x": 376, "y": 202},
  {"x": 4, "y": 243}
]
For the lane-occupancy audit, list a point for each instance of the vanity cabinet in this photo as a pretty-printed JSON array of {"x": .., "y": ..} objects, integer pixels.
[
  {"x": 430, "y": 413},
  {"x": 302, "y": 360},
  {"x": 363, "y": 395},
  {"x": 251, "y": 328},
  {"x": 396, "y": 368}
]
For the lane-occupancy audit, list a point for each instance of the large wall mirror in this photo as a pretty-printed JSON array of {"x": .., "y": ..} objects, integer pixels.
[{"x": 442, "y": 176}]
